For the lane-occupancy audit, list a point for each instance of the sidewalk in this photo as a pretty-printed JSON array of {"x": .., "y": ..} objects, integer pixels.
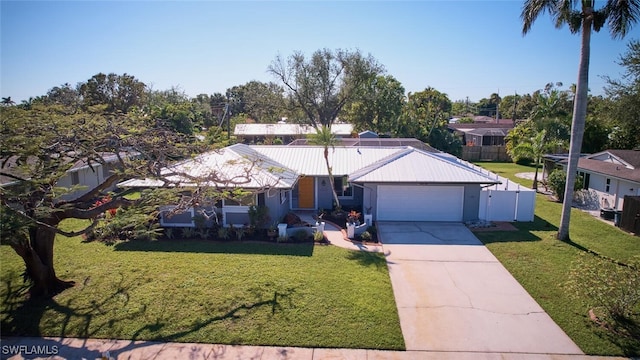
[{"x": 90, "y": 349}]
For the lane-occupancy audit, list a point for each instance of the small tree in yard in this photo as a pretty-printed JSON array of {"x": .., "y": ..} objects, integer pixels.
[
  {"x": 611, "y": 289},
  {"x": 41, "y": 144},
  {"x": 534, "y": 148},
  {"x": 557, "y": 181}
]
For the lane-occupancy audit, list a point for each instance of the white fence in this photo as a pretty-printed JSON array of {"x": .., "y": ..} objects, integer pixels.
[{"x": 507, "y": 201}]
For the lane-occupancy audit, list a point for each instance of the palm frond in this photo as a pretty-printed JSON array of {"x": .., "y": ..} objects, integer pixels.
[{"x": 621, "y": 16}]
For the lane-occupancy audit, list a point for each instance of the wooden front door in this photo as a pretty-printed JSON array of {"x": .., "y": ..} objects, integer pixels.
[{"x": 306, "y": 193}]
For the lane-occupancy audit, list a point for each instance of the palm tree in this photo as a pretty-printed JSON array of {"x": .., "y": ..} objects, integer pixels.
[
  {"x": 580, "y": 16},
  {"x": 326, "y": 139},
  {"x": 6, "y": 101},
  {"x": 534, "y": 148}
]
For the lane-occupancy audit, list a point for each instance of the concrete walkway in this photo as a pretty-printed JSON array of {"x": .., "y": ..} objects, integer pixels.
[
  {"x": 90, "y": 349},
  {"x": 453, "y": 295}
]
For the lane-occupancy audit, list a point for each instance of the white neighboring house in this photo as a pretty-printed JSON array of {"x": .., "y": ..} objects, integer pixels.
[
  {"x": 611, "y": 174},
  {"x": 89, "y": 175}
]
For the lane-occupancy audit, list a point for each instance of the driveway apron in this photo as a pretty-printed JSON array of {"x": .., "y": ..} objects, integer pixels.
[{"x": 453, "y": 295}]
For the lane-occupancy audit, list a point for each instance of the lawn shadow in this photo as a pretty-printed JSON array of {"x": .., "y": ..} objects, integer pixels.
[
  {"x": 366, "y": 258},
  {"x": 625, "y": 332},
  {"x": 213, "y": 247},
  {"x": 523, "y": 234},
  {"x": 274, "y": 303},
  {"x": 22, "y": 315}
]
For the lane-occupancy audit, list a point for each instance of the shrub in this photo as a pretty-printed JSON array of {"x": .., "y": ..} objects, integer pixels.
[
  {"x": 318, "y": 236},
  {"x": 372, "y": 229},
  {"x": 239, "y": 233},
  {"x": 300, "y": 235},
  {"x": 188, "y": 233},
  {"x": 366, "y": 236},
  {"x": 258, "y": 216},
  {"x": 611, "y": 288},
  {"x": 203, "y": 233},
  {"x": 557, "y": 181},
  {"x": 223, "y": 233}
]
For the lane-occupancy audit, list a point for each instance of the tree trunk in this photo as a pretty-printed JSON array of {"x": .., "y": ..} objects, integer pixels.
[
  {"x": 38, "y": 259},
  {"x": 535, "y": 178},
  {"x": 577, "y": 125},
  {"x": 332, "y": 183}
]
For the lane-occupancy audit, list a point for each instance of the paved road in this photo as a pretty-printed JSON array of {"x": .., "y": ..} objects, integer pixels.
[{"x": 453, "y": 295}]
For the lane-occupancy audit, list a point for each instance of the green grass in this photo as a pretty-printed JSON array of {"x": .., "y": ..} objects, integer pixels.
[
  {"x": 199, "y": 291},
  {"x": 541, "y": 264}
]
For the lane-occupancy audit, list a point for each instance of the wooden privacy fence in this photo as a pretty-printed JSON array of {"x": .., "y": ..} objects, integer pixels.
[
  {"x": 485, "y": 153},
  {"x": 630, "y": 220}
]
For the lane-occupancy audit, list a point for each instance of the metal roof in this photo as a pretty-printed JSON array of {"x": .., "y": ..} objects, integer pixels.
[
  {"x": 417, "y": 166},
  {"x": 234, "y": 166},
  {"x": 265, "y": 166},
  {"x": 309, "y": 160},
  {"x": 287, "y": 129}
]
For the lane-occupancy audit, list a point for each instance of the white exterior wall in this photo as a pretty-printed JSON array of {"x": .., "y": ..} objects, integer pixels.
[
  {"x": 87, "y": 177},
  {"x": 614, "y": 198}
]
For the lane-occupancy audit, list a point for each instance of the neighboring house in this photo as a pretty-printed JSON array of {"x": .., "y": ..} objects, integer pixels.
[
  {"x": 85, "y": 175},
  {"x": 368, "y": 134},
  {"x": 390, "y": 183},
  {"x": 267, "y": 133},
  {"x": 480, "y": 134},
  {"x": 611, "y": 174}
]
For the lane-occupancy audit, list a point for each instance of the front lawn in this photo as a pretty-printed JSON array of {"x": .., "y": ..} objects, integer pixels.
[
  {"x": 202, "y": 291},
  {"x": 542, "y": 264}
]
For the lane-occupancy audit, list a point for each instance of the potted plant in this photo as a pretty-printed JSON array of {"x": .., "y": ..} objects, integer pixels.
[
  {"x": 272, "y": 231},
  {"x": 353, "y": 217}
]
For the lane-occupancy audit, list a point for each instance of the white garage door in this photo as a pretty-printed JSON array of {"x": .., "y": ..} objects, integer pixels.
[{"x": 420, "y": 203}]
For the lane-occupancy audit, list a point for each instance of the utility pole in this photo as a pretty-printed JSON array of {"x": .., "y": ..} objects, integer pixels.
[{"x": 515, "y": 103}]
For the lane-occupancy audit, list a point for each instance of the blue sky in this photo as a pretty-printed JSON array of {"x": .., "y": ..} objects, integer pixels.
[{"x": 461, "y": 48}]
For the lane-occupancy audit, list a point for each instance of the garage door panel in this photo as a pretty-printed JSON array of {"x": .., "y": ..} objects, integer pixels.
[{"x": 420, "y": 203}]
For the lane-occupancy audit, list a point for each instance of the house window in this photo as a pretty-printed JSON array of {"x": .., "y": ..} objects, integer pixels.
[
  {"x": 75, "y": 178},
  {"x": 342, "y": 187},
  {"x": 585, "y": 179},
  {"x": 606, "y": 188}
]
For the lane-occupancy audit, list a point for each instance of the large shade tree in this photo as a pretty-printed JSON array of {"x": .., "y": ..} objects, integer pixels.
[
  {"x": 39, "y": 147},
  {"x": 324, "y": 83},
  {"x": 378, "y": 107},
  {"x": 581, "y": 17}
]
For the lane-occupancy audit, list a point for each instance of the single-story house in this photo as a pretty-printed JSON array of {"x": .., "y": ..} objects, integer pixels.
[
  {"x": 389, "y": 183},
  {"x": 608, "y": 175},
  {"x": 482, "y": 134},
  {"x": 611, "y": 175},
  {"x": 254, "y": 133},
  {"x": 84, "y": 175}
]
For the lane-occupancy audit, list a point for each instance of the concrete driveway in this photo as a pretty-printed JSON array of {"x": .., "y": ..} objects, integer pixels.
[{"x": 453, "y": 295}]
